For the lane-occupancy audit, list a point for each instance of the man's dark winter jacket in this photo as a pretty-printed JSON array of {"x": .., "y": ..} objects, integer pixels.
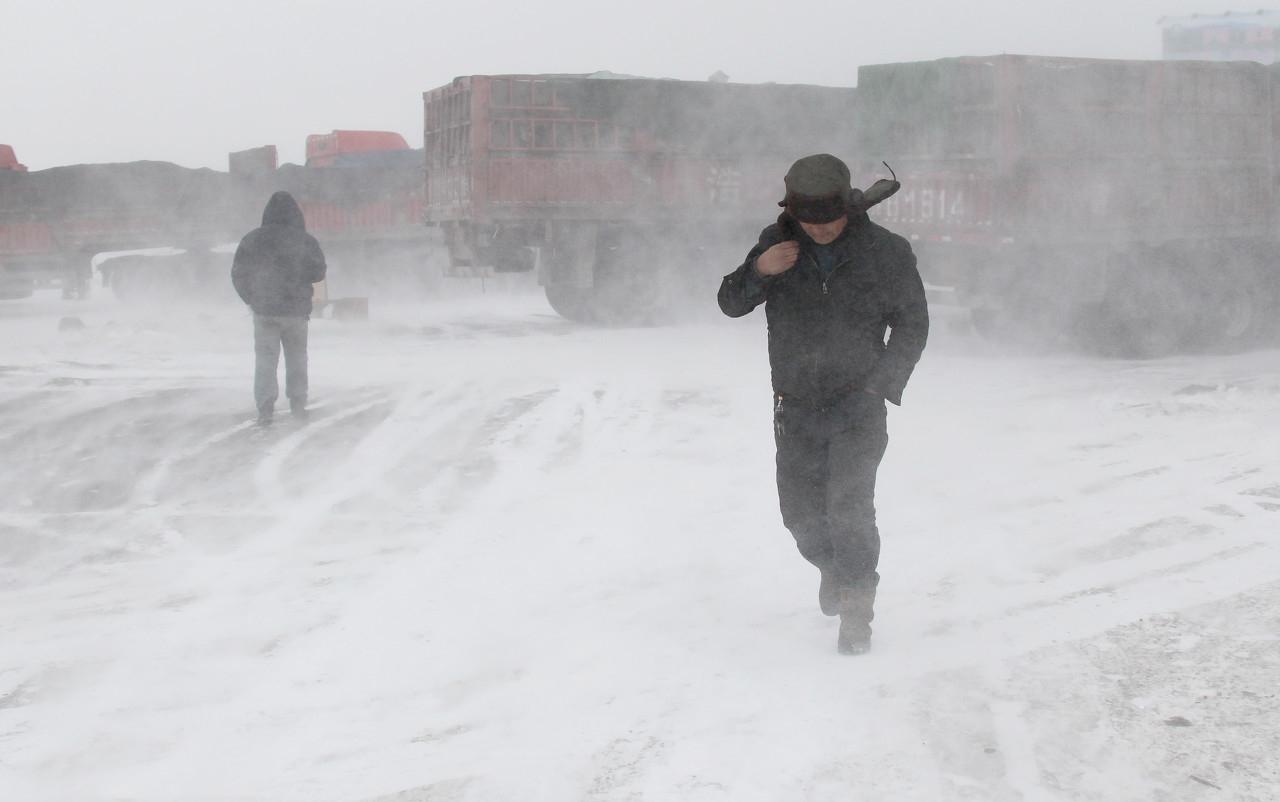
[
  {"x": 827, "y": 337},
  {"x": 277, "y": 263}
]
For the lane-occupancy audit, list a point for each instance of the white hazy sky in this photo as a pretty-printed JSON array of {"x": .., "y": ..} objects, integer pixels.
[{"x": 190, "y": 81}]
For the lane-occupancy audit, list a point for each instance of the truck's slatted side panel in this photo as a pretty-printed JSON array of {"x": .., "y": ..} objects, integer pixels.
[
  {"x": 25, "y": 238},
  {"x": 401, "y": 217},
  {"x": 1072, "y": 150},
  {"x": 536, "y": 182},
  {"x": 499, "y": 147}
]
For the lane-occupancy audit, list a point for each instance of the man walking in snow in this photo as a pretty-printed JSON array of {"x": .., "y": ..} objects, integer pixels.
[
  {"x": 273, "y": 271},
  {"x": 833, "y": 283}
]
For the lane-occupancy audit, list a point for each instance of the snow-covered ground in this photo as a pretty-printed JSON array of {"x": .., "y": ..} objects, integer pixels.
[{"x": 514, "y": 559}]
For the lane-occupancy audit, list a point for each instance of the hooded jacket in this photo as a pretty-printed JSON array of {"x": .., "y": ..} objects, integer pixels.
[
  {"x": 277, "y": 263},
  {"x": 827, "y": 336}
]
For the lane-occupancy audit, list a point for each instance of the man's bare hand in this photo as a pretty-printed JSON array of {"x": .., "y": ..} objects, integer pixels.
[{"x": 778, "y": 259}]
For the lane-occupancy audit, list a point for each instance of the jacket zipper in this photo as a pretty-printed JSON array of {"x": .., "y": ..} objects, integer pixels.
[
  {"x": 833, "y": 272},
  {"x": 814, "y": 262}
]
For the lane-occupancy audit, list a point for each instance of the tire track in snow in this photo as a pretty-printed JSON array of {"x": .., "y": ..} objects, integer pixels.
[
  {"x": 1092, "y": 579},
  {"x": 1015, "y": 742},
  {"x": 507, "y": 536},
  {"x": 147, "y": 489},
  {"x": 1208, "y": 522},
  {"x": 519, "y": 442},
  {"x": 377, "y": 452},
  {"x": 1052, "y": 619},
  {"x": 268, "y": 578},
  {"x": 266, "y": 477}
]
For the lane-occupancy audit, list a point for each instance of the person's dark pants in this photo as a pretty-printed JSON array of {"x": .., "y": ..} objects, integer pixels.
[
  {"x": 827, "y": 462},
  {"x": 270, "y": 332}
]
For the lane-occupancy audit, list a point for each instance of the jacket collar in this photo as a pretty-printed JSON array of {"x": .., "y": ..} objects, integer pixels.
[{"x": 857, "y": 233}]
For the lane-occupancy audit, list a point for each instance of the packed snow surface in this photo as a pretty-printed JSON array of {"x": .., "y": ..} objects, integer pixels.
[{"x": 510, "y": 558}]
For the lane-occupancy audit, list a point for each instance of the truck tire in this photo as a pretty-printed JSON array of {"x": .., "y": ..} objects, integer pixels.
[
  {"x": 1234, "y": 319},
  {"x": 1148, "y": 311},
  {"x": 571, "y": 303},
  {"x": 599, "y": 276},
  {"x": 1130, "y": 337},
  {"x": 1233, "y": 306}
]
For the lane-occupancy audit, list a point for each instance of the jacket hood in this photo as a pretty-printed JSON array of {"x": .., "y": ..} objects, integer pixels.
[{"x": 283, "y": 210}]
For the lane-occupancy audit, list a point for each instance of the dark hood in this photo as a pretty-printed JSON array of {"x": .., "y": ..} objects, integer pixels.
[{"x": 283, "y": 210}]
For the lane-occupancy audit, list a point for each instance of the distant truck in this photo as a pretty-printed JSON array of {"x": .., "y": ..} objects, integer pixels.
[
  {"x": 19, "y": 237},
  {"x": 368, "y": 217},
  {"x": 359, "y": 149},
  {"x": 625, "y": 194},
  {"x": 1130, "y": 205},
  {"x": 9, "y": 161}
]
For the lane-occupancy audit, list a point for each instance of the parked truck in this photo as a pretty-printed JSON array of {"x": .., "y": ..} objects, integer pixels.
[
  {"x": 366, "y": 214},
  {"x": 1127, "y": 205},
  {"x": 9, "y": 160},
  {"x": 626, "y": 195}
]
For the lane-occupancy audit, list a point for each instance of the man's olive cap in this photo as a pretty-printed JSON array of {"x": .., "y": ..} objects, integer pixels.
[{"x": 819, "y": 176}]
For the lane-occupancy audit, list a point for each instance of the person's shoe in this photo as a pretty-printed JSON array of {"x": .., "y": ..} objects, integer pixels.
[
  {"x": 855, "y": 635},
  {"x": 857, "y": 611},
  {"x": 264, "y": 418},
  {"x": 828, "y": 594},
  {"x": 299, "y": 411}
]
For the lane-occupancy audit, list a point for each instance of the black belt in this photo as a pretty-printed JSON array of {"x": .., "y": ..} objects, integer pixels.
[{"x": 782, "y": 400}]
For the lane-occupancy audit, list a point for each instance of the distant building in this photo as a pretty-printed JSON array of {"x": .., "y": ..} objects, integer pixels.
[{"x": 1233, "y": 36}]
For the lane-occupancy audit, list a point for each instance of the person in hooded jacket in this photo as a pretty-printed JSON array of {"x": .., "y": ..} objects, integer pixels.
[
  {"x": 273, "y": 271},
  {"x": 833, "y": 283}
]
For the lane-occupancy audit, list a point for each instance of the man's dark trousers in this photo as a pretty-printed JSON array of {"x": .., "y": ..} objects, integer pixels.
[{"x": 828, "y": 455}]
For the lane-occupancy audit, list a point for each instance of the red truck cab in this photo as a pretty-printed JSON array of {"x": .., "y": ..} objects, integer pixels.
[{"x": 9, "y": 161}]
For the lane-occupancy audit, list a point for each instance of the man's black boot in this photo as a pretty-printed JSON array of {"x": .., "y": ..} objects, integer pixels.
[
  {"x": 855, "y": 636},
  {"x": 857, "y": 610}
]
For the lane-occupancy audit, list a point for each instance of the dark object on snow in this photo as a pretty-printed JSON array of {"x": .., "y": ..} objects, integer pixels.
[
  {"x": 828, "y": 315},
  {"x": 70, "y": 324},
  {"x": 349, "y": 308},
  {"x": 1177, "y": 721},
  {"x": 274, "y": 270}
]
